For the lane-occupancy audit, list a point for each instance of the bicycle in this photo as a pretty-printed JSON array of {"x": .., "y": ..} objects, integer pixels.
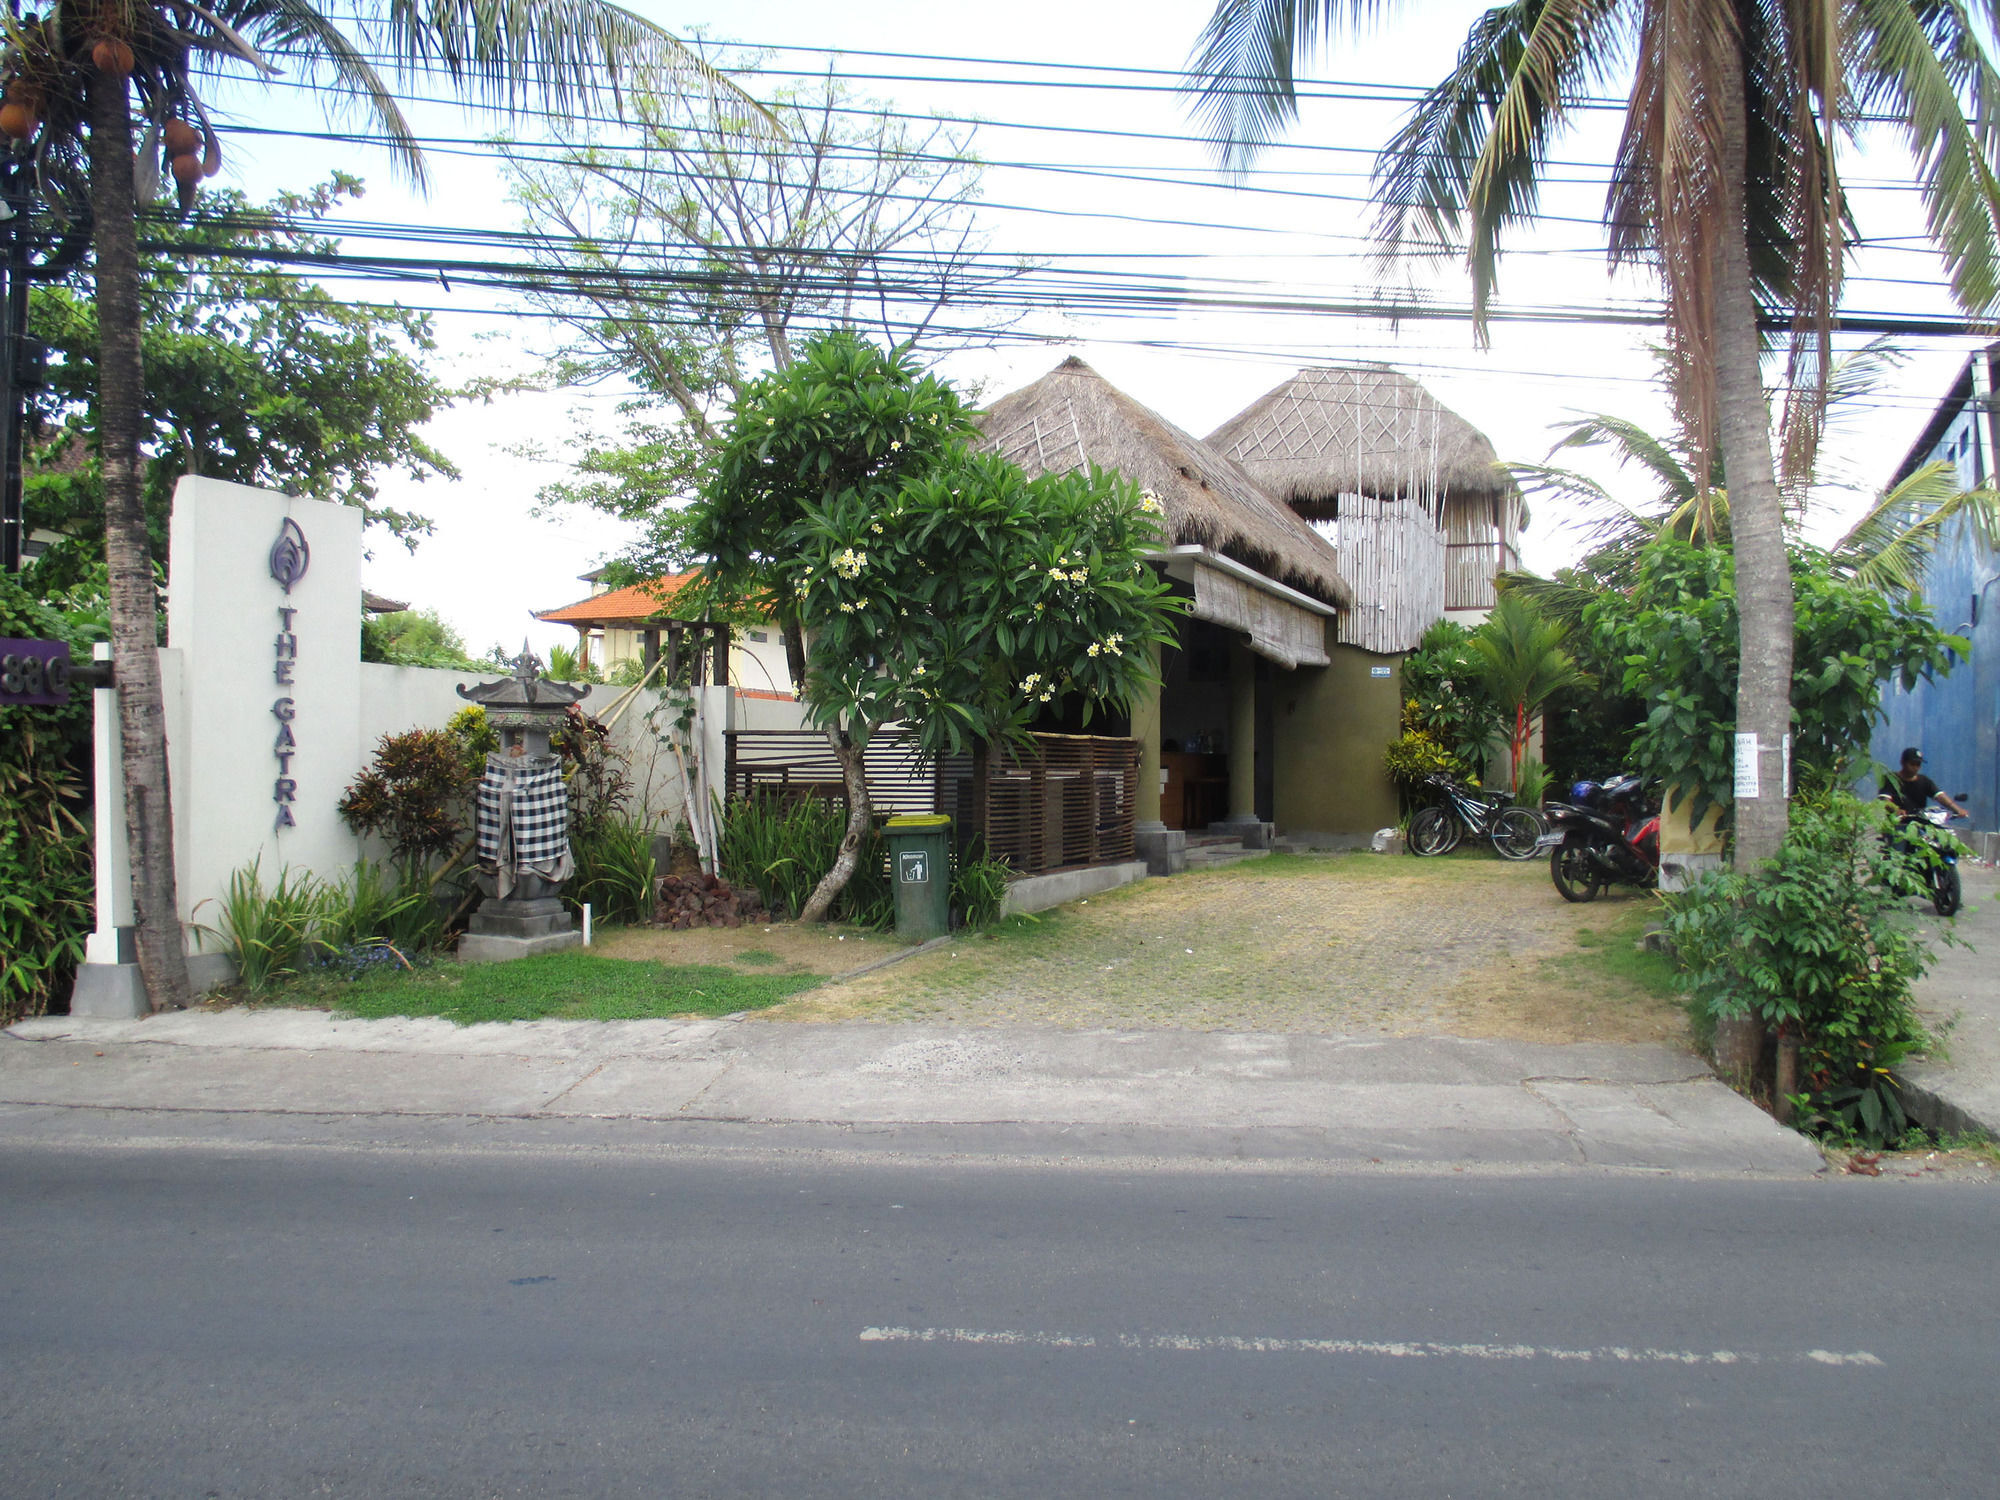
[{"x": 1515, "y": 832}]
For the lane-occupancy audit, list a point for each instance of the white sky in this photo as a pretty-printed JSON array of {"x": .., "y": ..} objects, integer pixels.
[{"x": 491, "y": 561}]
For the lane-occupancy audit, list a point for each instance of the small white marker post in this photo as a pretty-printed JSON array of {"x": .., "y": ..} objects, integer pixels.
[{"x": 586, "y": 924}]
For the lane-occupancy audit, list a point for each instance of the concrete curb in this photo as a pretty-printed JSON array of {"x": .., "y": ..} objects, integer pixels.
[{"x": 1205, "y": 1095}]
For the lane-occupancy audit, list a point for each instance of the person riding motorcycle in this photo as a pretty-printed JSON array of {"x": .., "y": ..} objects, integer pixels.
[{"x": 1911, "y": 790}]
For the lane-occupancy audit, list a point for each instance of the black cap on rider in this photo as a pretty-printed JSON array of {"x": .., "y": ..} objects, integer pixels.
[{"x": 1913, "y": 756}]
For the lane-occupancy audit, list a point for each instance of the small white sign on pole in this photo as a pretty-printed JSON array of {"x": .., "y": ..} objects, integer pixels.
[{"x": 1746, "y": 766}]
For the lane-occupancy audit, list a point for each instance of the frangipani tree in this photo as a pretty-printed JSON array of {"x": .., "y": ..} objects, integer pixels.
[
  {"x": 70, "y": 76},
  {"x": 973, "y": 599},
  {"x": 915, "y": 580}
]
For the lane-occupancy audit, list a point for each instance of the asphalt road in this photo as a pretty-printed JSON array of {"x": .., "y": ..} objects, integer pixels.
[{"x": 202, "y": 1320}]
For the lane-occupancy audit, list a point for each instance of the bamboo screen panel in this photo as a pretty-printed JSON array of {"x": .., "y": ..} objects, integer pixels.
[
  {"x": 1069, "y": 799},
  {"x": 1479, "y": 543},
  {"x": 1063, "y": 800},
  {"x": 798, "y": 763},
  {"x": 1278, "y": 629},
  {"x": 1393, "y": 552}
]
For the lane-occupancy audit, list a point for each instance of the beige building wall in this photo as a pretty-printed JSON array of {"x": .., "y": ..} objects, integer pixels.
[
  {"x": 753, "y": 663},
  {"x": 1330, "y": 726}
]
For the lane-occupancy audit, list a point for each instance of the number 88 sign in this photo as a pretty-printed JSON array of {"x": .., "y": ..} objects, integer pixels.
[{"x": 34, "y": 672}]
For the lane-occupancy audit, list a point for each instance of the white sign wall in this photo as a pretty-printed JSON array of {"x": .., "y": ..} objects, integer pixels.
[{"x": 262, "y": 605}]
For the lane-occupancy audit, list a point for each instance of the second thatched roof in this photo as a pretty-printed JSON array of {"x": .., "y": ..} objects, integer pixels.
[
  {"x": 1073, "y": 417},
  {"x": 1360, "y": 429}
]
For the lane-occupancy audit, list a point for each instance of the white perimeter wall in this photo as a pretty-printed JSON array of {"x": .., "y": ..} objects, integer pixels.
[{"x": 222, "y": 672}]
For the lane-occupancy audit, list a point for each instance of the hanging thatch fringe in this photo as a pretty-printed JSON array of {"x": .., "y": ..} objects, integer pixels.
[{"x": 1073, "y": 417}]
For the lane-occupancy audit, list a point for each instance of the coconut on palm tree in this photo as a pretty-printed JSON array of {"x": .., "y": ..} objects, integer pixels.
[
  {"x": 1726, "y": 182},
  {"x": 69, "y": 79}
]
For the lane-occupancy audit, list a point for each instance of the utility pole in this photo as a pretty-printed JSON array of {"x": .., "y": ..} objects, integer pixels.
[
  {"x": 19, "y": 367},
  {"x": 28, "y": 254}
]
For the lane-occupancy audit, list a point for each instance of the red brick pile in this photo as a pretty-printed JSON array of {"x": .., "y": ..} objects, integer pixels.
[{"x": 706, "y": 901}]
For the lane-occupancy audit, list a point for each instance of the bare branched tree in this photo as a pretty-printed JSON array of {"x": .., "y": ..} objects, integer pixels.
[{"x": 690, "y": 263}]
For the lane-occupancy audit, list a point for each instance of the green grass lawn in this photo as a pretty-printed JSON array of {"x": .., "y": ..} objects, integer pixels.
[
  {"x": 556, "y": 986},
  {"x": 1609, "y": 952}
]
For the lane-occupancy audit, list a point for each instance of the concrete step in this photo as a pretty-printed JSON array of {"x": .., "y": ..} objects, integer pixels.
[
  {"x": 1211, "y": 856},
  {"x": 1215, "y": 841}
]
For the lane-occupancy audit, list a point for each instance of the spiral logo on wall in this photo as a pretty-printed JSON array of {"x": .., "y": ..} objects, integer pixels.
[{"x": 290, "y": 556}]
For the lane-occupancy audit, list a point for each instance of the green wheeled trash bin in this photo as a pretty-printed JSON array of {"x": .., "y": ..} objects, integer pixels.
[{"x": 920, "y": 865}]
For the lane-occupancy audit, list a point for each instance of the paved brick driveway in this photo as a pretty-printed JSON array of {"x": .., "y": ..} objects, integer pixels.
[{"x": 1353, "y": 944}]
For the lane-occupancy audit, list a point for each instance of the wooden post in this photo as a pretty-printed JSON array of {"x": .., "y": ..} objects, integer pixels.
[
  {"x": 649, "y": 647},
  {"x": 1038, "y": 810},
  {"x": 982, "y": 793},
  {"x": 1242, "y": 734},
  {"x": 1146, "y": 730},
  {"x": 721, "y": 636}
]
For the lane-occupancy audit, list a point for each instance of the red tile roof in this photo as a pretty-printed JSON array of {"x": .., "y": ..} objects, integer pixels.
[{"x": 635, "y": 604}]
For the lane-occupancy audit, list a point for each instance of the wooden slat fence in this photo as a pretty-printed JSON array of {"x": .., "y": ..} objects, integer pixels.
[{"x": 1065, "y": 800}]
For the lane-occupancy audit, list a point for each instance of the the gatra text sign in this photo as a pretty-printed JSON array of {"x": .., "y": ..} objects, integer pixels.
[{"x": 290, "y": 557}]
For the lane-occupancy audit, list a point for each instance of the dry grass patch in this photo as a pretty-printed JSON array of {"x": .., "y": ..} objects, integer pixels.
[
  {"x": 1351, "y": 944},
  {"x": 754, "y": 948}
]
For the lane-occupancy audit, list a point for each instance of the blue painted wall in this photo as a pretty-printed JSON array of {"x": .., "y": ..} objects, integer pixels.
[{"x": 1954, "y": 718}]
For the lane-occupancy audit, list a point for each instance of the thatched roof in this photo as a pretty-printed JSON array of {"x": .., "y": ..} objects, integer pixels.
[
  {"x": 1363, "y": 429},
  {"x": 1073, "y": 417}
]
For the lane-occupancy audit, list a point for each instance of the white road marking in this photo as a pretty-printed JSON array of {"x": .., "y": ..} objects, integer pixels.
[{"x": 1180, "y": 1343}]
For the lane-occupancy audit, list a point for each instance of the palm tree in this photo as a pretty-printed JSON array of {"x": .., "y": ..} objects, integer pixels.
[
  {"x": 1523, "y": 664},
  {"x": 71, "y": 75},
  {"x": 1885, "y": 549},
  {"x": 1726, "y": 182}
]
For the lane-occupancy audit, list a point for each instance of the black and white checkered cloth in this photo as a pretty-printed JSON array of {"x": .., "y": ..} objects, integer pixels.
[{"x": 522, "y": 818}]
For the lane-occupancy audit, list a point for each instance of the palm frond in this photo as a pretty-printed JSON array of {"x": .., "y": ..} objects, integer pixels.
[
  {"x": 1668, "y": 465},
  {"x": 562, "y": 55},
  {"x": 1601, "y": 518},
  {"x": 1815, "y": 403},
  {"x": 1888, "y": 547},
  {"x": 1466, "y": 165},
  {"x": 1925, "y": 63},
  {"x": 299, "y": 28},
  {"x": 1558, "y": 601},
  {"x": 1240, "y": 81}
]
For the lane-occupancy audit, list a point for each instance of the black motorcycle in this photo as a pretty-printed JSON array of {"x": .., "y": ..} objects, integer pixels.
[
  {"x": 1929, "y": 837},
  {"x": 1607, "y": 833}
]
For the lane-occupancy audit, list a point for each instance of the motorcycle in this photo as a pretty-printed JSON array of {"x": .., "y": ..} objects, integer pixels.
[
  {"x": 1930, "y": 833},
  {"x": 1608, "y": 833}
]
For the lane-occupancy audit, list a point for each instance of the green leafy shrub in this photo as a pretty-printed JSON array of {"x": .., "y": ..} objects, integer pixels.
[
  {"x": 46, "y": 899},
  {"x": 416, "y": 795},
  {"x": 615, "y": 872},
  {"x": 1675, "y": 633},
  {"x": 269, "y": 933},
  {"x": 1417, "y": 755},
  {"x": 1817, "y": 944},
  {"x": 785, "y": 849},
  {"x": 378, "y": 906},
  {"x": 1536, "y": 779},
  {"x": 475, "y": 732},
  {"x": 978, "y": 887},
  {"x": 1445, "y": 697}
]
